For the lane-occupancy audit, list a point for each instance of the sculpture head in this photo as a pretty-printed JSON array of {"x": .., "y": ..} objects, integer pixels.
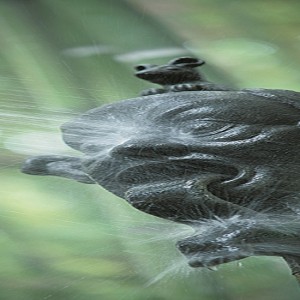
[
  {"x": 163, "y": 154},
  {"x": 191, "y": 156}
]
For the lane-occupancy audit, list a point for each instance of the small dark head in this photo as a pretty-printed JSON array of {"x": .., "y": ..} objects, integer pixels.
[{"x": 176, "y": 71}]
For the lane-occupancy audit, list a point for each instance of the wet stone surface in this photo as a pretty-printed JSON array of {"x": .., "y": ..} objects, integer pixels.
[{"x": 214, "y": 158}]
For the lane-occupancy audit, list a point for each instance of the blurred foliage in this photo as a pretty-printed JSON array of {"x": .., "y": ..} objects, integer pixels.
[{"x": 65, "y": 240}]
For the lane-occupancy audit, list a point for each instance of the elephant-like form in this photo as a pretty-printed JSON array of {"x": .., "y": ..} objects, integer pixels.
[{"x": 218, "y": 159}]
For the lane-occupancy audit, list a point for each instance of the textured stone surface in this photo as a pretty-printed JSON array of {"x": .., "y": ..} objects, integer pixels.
[{"x": 197, "y": 155}]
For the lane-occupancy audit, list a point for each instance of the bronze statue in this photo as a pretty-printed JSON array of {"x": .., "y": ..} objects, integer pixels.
[{"x": 214, "y": 158}]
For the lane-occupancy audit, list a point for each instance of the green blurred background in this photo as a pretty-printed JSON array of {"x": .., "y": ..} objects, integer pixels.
[{"x": 65, "y": 240}]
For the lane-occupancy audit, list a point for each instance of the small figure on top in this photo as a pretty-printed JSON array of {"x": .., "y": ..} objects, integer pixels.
[{"x": 176, "y": 76}]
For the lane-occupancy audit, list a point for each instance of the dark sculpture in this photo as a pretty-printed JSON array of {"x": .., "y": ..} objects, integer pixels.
[
  {"x": 176, "y": 76},
  {"x": 225, "y": 162}
]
